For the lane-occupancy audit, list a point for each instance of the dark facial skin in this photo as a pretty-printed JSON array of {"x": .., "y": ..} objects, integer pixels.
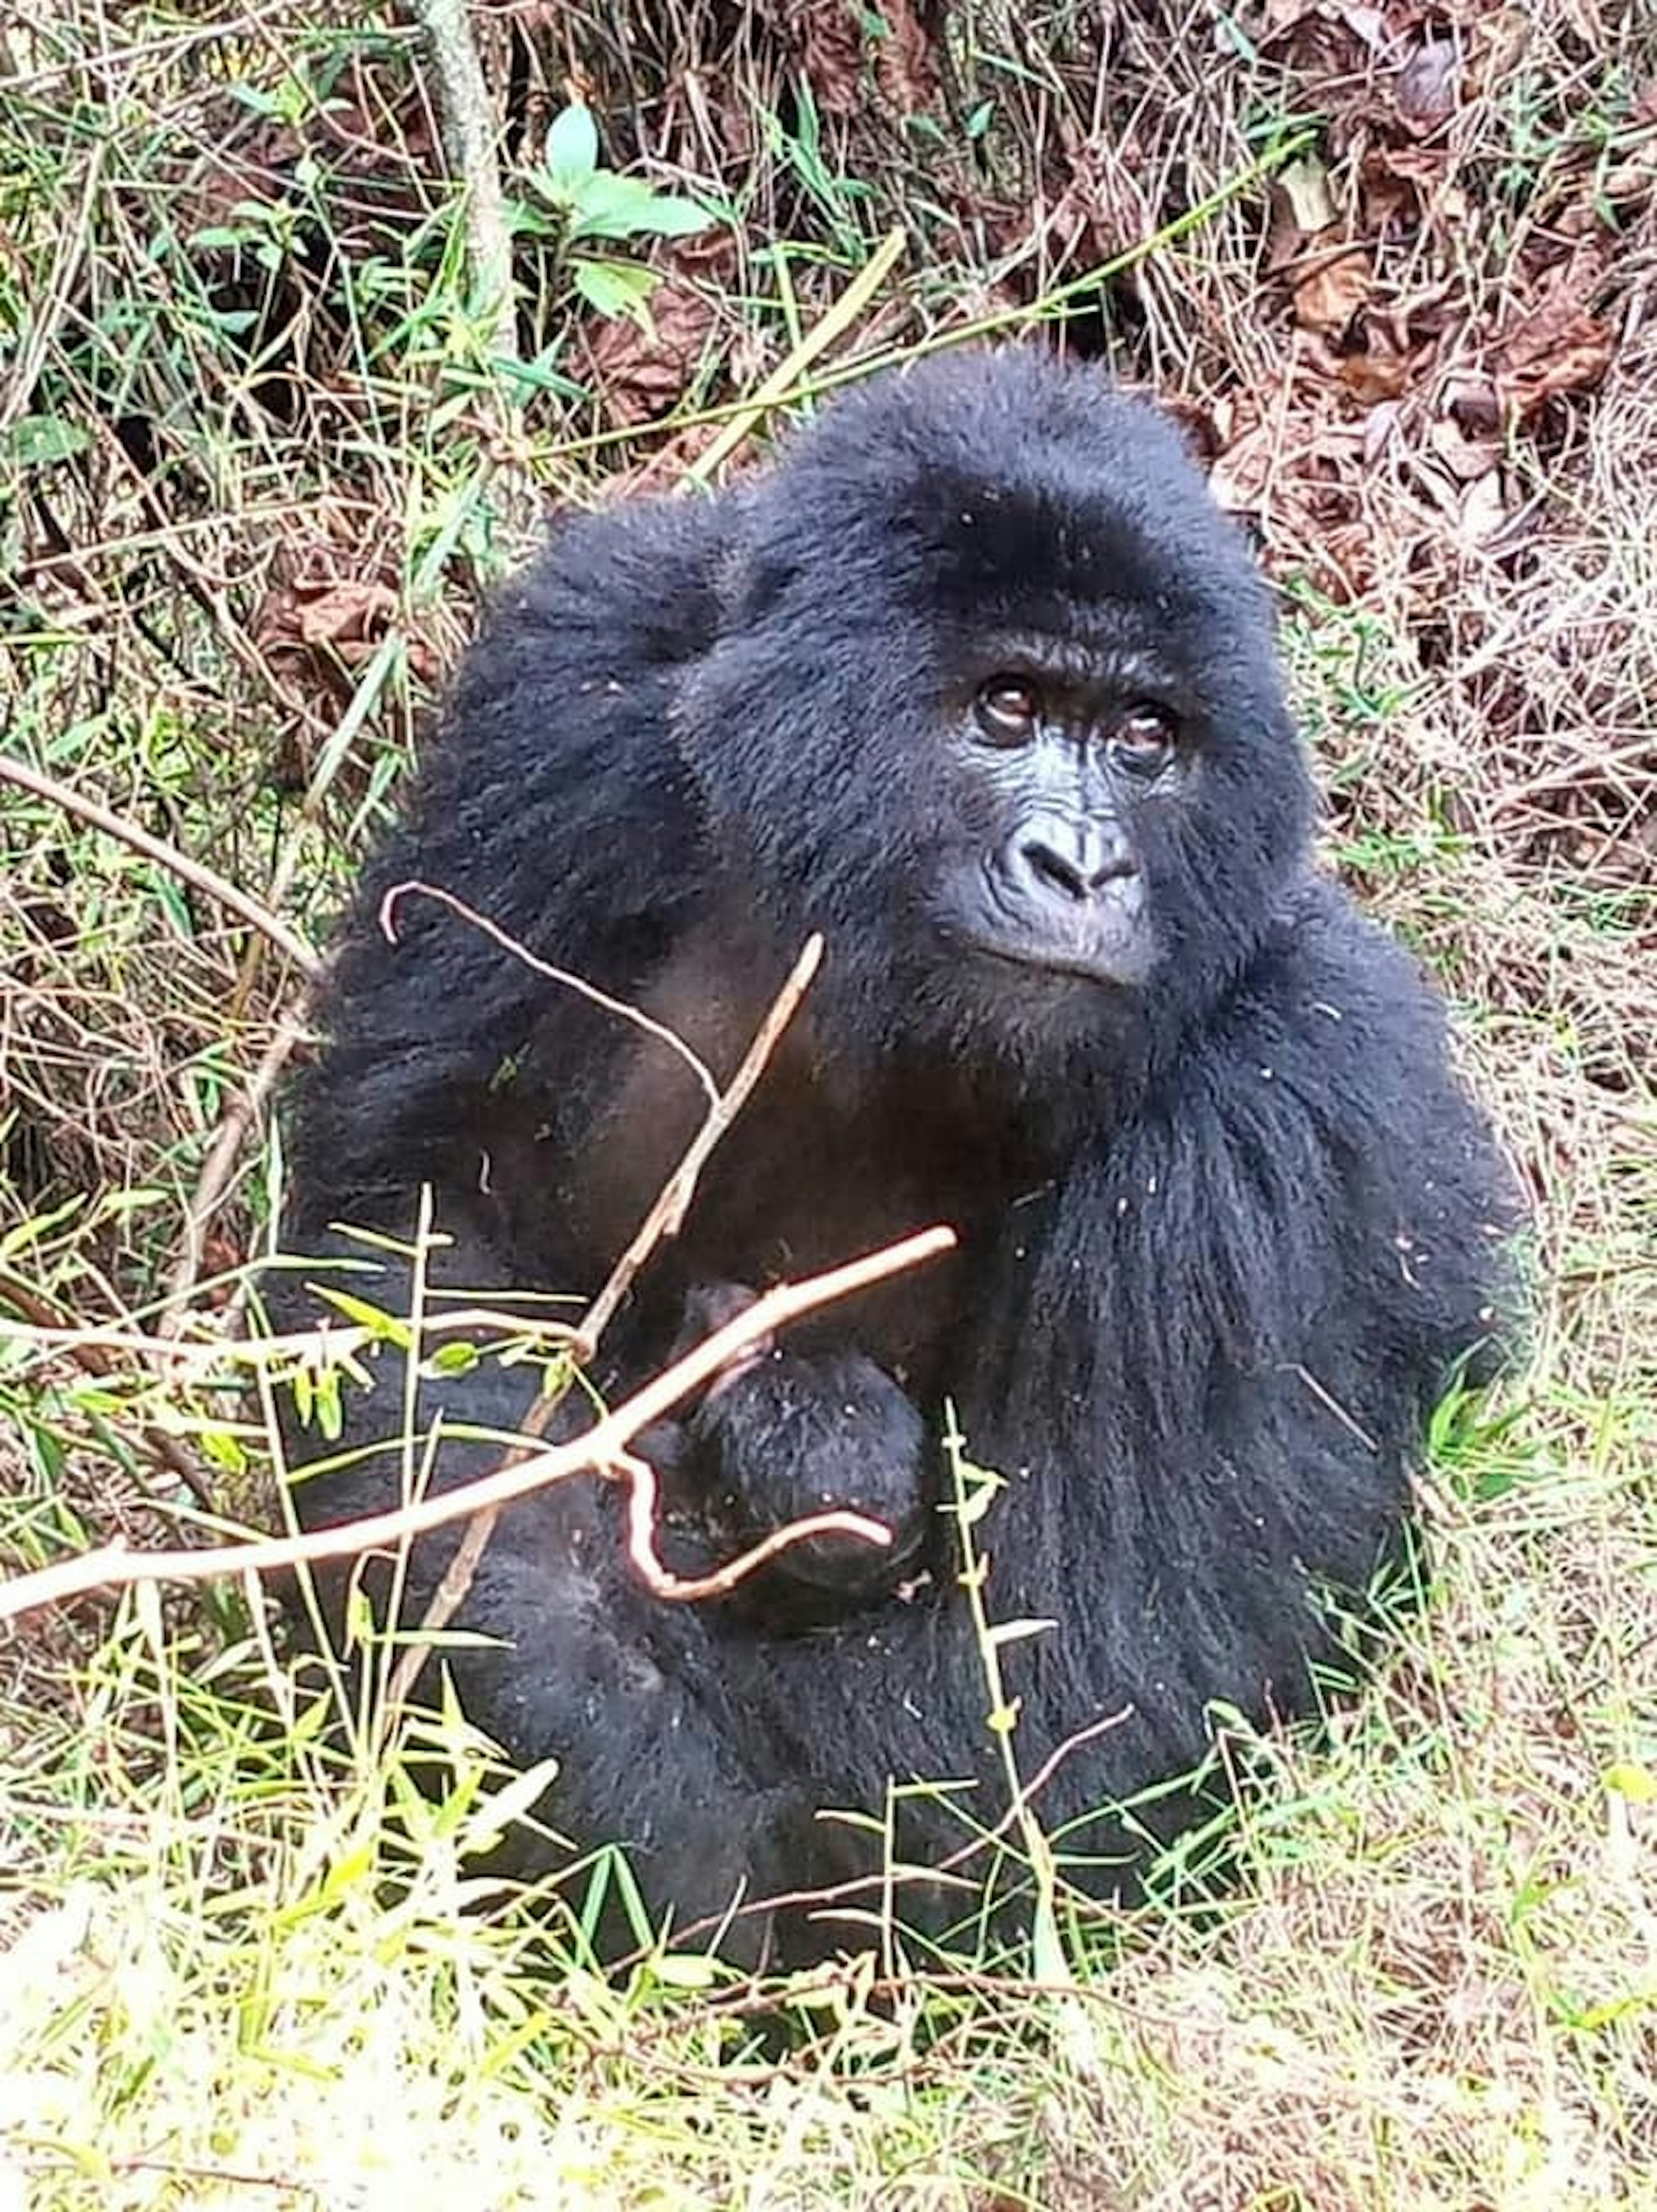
[{"x": 1071, "y": 761}]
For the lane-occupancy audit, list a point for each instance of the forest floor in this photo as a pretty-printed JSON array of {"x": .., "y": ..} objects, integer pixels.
[{"x": 266, "y": 435}]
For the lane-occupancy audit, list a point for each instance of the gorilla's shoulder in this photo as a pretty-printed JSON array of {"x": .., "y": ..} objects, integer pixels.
[{"x": 627, "y": 588}]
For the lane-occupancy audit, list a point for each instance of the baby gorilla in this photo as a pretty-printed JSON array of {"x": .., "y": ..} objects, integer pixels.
[{"x": 975, "y": 682}]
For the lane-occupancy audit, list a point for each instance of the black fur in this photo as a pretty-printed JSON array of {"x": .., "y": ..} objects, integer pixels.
[{"x": 1224, "y": 1236}]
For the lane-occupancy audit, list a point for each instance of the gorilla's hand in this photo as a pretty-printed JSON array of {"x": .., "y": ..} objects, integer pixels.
[{"x": 783, "y": 1435}]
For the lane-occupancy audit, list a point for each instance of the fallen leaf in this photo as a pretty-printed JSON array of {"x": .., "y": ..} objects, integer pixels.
[
  {"x": 906, "y": 66},
  {"x": 641, "y": 372},
  {"x": 351, "y": 612},
  {"x": 1574, "y": 361},
  {"x": 1425, "y": 89},
  {"x": 1466, "y": 459},
  {"x": 1305, "y": 185},
  {"x": 1557, "y": 345},
  {"x": 1330, "y": 296},
  {"x": 1374, "y": 376},
  {"x": 831, "y": 53}
]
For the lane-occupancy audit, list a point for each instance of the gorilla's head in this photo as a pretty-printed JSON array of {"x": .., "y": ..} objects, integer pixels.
[{"x": 1019, "y": 738}]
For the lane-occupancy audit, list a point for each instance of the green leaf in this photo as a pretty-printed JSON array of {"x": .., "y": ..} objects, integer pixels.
[
  {"x": 1637, "y": 1784},
  {"x": 572, "y": 150},
  {"x": 384, "y": 1327},
  {"x": 39, "y": 441},
  {"x": 609, "y": 206},
  {"x": 615, "y": 288}
]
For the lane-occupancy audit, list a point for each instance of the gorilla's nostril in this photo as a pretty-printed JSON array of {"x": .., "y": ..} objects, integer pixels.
[
  {"x": 1078, "y": 869},
  {"x": 1053, "y": 871}
]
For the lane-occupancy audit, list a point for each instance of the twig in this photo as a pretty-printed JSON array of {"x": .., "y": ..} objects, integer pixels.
[
  {"x": 667, "y": 1216},
  {"x": 571, "y": 981},
  {"x": 663, "y": 1219},
  {"x": 603, "y": 1448},
  {"x": 945, "y": 1874},
  {"x": 94, "y": 1358},
  {"x": 221, "y": 1159},
  {"x": 259, "y": 917},
  {"x": 468, "y": 117},
  {"x": 779, "y": 385}
]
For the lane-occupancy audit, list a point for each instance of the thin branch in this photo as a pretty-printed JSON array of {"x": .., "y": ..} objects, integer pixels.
[
  {"x": 468, "y": 121},
  {"x": 579, "y": 984},
  {"x": 92, "y": 1358},
  {"x": 667, "y": 1216},
  {"x": 222, "y": 1159},
  {"x": 259, "y": 917},
  {"x": 780, "y": 384},
  {"x": 663, "y": 1219},
  {"x": 603, "y": 1448}
]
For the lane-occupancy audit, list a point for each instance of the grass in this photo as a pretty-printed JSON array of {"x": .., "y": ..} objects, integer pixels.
[{"x": 260, "y": 451}]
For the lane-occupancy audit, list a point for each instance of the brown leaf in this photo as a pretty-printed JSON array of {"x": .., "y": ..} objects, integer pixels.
[
  {"x": 832, "y": 53},
  {"x": 1557, "y": 345},
  {"x": 905, "y": 67},
  {"x": 350, "y": 614},
  {"x": 1330, "y": 297},
  {"x": 1240, "y": 478},
  {"x": 1374, "y": 376},
  {"x": 1575, "y": 359},
  {"x": 1400, "y": 184},
  {"x": 642, "y": 374},
  {"x": 1425, "y": 89}
]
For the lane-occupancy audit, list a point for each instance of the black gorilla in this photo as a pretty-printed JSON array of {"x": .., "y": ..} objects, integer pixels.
[{"x": 976, "y": 682}]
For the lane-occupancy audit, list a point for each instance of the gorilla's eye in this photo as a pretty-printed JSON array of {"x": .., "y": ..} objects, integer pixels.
[
  {"x": 1143, "y": 740},
  {"x": 1006, "y": 710}
]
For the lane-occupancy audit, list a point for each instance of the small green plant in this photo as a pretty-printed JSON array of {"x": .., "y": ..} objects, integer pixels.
[{"x": 593, "y": 205}]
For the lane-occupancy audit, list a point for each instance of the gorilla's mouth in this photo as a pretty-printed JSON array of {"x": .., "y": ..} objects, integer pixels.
[{"x": 1103, "y": 941}]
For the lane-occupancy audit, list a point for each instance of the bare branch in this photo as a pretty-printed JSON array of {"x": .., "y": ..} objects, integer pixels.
[
  {"x": 286, "y": 939},
  {"x": 667, "y": 1216},
  {"x": 469, "y": 136},
  {"x": 602, "y": 1448},
  {"x": 663, "y": 1219}
]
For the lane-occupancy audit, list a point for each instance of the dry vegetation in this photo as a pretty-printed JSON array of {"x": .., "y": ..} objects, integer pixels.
[{"x": 261, "y": 444}]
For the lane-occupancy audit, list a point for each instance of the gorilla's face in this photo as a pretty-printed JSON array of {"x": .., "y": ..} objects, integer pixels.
[{"x": 1060, "y": 768}]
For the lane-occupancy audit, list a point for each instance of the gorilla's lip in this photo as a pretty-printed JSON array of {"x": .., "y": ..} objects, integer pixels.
[
  {"x": 1111, "y": 953},
  {"x": 1043, "y": 956}
]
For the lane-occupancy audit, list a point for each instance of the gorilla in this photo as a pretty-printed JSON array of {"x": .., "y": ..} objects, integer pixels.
[{"x": 976, "y": 681}]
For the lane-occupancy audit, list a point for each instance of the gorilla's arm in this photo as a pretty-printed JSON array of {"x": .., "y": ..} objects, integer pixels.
[{"x": 553, "y": 801}]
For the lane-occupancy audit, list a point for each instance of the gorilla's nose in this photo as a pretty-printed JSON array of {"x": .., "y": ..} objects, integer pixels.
[{"x": 1058, "y": 856}]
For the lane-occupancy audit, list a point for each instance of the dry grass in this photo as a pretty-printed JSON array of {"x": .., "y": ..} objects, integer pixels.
[{"x": 1423, "y": 363}]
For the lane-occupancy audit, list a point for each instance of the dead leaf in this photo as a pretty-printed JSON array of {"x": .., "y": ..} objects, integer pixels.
[
  {"x": 1238, "y": 479},
  {"x": 1574, "y": 359},
  {"x": 1466, "y": 459},
  {"x": 642, "y": 374},
  {"x": 1557, "y": 346},
  {"x": 831, "y": 53},
  {"x": 906, "y": 66},
  {"x": 1374, "y": 376},
  {"x": 350, "y": 614},
  {"x": 1305, "y": 185},
  {"x": 1427, "y": 88},
  {"x": 1330, "y": 296}
]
